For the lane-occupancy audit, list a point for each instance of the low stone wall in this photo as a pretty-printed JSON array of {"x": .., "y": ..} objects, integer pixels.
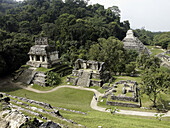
[
  {"x": 95, "y": 76},
  {"x": 123, "y": 104},
  {"x": 123, "y": 98},
  {"x": 95, "y": 83},
  {"x": 71, "y": 79},
  {"x": 125, "y": 82}
]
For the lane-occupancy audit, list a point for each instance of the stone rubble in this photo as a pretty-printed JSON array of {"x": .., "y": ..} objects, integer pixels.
[{"x": 29, "y": 109}]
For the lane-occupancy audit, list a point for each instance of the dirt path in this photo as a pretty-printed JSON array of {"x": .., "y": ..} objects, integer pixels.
[{"x": 93, "y": 104}]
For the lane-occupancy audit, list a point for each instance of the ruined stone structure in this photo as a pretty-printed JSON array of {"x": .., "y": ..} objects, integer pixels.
[
  {"x": 132, "y": 42},
  {"x": 42, "y": 55},
  {"x": 89, "y": 73},
  {"x": 129, "y": 93},
  {"x": 165, "y": 59},
  {"x": 14, "y": 114}
]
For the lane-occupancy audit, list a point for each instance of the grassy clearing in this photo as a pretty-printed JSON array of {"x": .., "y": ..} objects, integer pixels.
[
  {"x": 119, "y": 90},
  {"x": 64, "y": 97},
  {"x": 93, "y": 119},
  {"x": 155, "y": 50},
  {"x": 80, "y": 100},
  {"x": 101, "y": 90},
  {"x": 137, "y": 79}
]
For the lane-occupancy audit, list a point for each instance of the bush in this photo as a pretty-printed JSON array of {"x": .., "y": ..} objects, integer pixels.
[{"x": 53, "y": 78}]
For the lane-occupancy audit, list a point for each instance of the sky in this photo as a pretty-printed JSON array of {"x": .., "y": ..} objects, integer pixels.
[{"x": 153, "y": 15}]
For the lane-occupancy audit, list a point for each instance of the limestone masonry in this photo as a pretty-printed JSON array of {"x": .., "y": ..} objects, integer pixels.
[
  {"x": 42, "y": 55},
  {"x": 89, "y": 73},
  {"x": 132, "y": 42}
]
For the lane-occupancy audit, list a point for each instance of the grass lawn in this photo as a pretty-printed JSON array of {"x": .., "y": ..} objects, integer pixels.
[
  {"x": 154, "y": 50},
  {"x": 137, "y": 79},
  {"x": 64, "y": 97},
  {"x": 93, "y": 119},
  {"x": 80, "y": 100},
  {"x": 101, "y": 90}
]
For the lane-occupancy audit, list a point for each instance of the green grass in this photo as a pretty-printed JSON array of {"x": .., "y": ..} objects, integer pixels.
[
  {"x": 101, "y": 90},
  {"x": 38, "y": 87},
  {"x": 167, "y": 54},
  {"x": 93, "y": 119},
  {"x": 155, "y": 50},
  {"x": 103, "y": 104},
  {"x": 64, "y": 97},
  {"x": 119, "y": 90},
  {"x": 137, "y": 79},
  {"x": 42, "y": 69},
  {"x": 80, "y": 100},
  {"x": 49, "y": 117}
]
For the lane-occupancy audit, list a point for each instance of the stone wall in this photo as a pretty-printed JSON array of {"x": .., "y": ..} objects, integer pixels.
[
  {"x": 95, "y": 76},
  {"x": 123, "y": 104},
  {"x": 132, "y": 42},
  {"x": 123, "y": 98},
  {"x": 40, "y": 79},
  {"x": 96, "y": 83}
]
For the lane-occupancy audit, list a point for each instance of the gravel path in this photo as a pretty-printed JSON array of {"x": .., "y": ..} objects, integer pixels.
[{"x": 93, "y": 104}]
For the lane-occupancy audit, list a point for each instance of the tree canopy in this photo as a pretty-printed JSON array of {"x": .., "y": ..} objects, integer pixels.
[
  {"x": 73, "y": 26},
  {"x": 155, "y": 81}
]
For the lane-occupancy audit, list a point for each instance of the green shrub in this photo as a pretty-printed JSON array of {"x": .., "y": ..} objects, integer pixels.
[{"x": 53, "y": 78}]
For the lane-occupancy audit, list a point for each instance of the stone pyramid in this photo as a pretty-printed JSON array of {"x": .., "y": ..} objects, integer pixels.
[{"x": 132, "y": 42}]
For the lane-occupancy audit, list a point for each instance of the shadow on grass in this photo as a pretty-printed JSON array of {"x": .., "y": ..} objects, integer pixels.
[
  {"x": 8, "y": 89},
  {"x": 166, "y": 104},
  {"x": 6, "y": 85}
]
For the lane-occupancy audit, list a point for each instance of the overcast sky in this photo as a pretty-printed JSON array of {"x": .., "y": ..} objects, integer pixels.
[{"x": 154, "y": 15}]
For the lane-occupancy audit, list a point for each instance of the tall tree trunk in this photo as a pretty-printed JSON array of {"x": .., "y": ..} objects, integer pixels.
[
  {"x": 154, "y": 101},
  {"x": 161, "y": 101}
]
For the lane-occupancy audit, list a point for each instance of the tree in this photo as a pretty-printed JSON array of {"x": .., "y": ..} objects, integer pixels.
[
  {"x": 162, "y": 39},
  {"x": 155, "y": 81},
  {"x": 111, "y": 52},
  {"x": 146, "y": 62},
  {"x": 115, "y": 10},
  {"x": 152, "y": 62},
  {"x": 130, "y": 68}
]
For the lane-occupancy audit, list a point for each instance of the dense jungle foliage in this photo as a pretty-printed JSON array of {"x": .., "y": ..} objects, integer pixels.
[{"x": 73, "y": 26}]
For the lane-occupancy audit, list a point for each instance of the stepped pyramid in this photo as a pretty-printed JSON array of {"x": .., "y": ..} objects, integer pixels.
[
  {"x": 132, "y": 42},
  {"x": 89, "y": 73}
]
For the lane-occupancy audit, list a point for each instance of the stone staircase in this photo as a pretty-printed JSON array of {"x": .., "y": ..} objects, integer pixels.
[
  {"x": 27, "y": 76},
  {"x": 84, "y": 79}
]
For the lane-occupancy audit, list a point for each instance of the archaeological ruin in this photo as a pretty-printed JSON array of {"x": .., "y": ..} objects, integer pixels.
[
  {"x": 132, "y": 42},
  {"x": 123, "y": 93},
  {"x": 41, "y": 55},
  {"x": 88, "y": 73}
]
